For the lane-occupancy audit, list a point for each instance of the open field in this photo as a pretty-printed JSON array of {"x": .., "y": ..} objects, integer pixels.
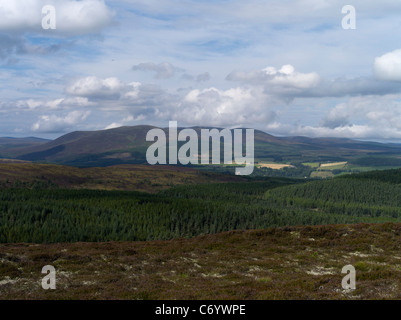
[
  {"x": 274, "y": 166},
  {"x": 333, "y": 164},
  {"x": 278, "y": 263},
  {"x": 324, "y": 170},
  {"x": 312, "y": 164}
]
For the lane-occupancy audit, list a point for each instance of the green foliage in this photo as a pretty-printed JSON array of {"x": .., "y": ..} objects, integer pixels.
[
  {"x": 353, "y": 196},
  {"x": 298, "y": 171},
  {"x": 376, "y": 161},
  {"x": 389, "y": 176},
  {"x": 47, "y": 216},
  {"x": 57, "y": 215}
]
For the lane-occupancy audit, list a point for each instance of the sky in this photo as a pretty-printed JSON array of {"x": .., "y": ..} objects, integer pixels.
[{"x": 287, "y": 67}]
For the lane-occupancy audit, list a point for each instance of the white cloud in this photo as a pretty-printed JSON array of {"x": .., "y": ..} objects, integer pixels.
[
  {"x": 288, "y": 77},
  {"x": 288, "y": 84},
  {"x": 214, "y": 107},
  {"x": 72, "y": 17},
  {"x": 95, "y": 87},
  {"x": 284, "y": 80},
  {"x": 249, "y": 105},
  {"x": 53, "y": 123},
  {"x": 360, "y": 117},
  {"x": 388, "y": 66},
  {"x": 337, "y": 117},
  {"x": 331, "y": 64},
  {"x": 351, "y": 132},
  {"x": 133, "y": 91}
]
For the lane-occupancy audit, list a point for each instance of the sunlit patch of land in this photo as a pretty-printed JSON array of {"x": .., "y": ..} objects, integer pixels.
[
  {"x": 274, "y": 166},
  {"x": 333, "y": 164}
]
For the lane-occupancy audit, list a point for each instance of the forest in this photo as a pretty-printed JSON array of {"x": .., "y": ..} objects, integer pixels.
[{"x": 39, "y": 215}]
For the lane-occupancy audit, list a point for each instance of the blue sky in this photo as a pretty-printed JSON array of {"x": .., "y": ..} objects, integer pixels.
[{"x": 285, "y": 67}]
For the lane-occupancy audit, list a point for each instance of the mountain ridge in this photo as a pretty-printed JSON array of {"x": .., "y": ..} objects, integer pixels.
[{"x": 128, "y": 145}]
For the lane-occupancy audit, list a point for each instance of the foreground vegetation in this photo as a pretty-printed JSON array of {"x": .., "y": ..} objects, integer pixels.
[{"x": 278, "y": 263}]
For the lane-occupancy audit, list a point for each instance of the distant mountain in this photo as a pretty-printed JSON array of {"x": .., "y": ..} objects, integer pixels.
[
  {"x": 21, "y": 141},
  {"x": 91, "y": 148},
  {"x": 344, "y": 143},
  {"x": 127, "y": 145},
  {"x": 8, "y": 144}
]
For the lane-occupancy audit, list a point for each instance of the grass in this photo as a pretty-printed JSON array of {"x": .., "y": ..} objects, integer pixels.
[
  {"x": 277, "y": 263},
  {"x": 274, "y": 166},
  {"x": 324, "y": 170},
  {"x": 333, "y": 166},
  {"x": 312, "y": 164}
]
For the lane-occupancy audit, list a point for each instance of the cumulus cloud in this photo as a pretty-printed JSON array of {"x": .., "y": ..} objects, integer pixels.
[
  {"x": 95, "y": 87},
  {"x": 388, "y": 66},
  {"x": 286, "y": 78},
  {"x": 54, "y": 104},
  {"x": 288, "y": 84},
  {"x": 75, "y": 17},
  {"x": 250, "y": 105},
  {"x": 123, "y": 95},
  {"x": 54, "y": 123},
  {"x": 337, "y": 117},
  {"x": 245, "y": 105},
  {"x": 380, "y": 115},
  {"x": 162, "y": 70},
  {"x": 212, "y": 106}
]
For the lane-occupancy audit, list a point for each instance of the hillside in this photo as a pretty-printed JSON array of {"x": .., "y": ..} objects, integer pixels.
[
  {"x": 48, "y": 216},
  {"x": 105, "y": 147},
  {"x": 372, "y": 194},
  {"x": 121, "y": 177},
  {"x": 278, "y": 263},
  {"x": 9, "y": 144},
  {"x": 127, "y": 145}
]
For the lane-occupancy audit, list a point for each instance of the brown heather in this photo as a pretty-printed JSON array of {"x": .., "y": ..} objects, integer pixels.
[
  {"x": 277, "y": 263},
  {"x": 120, "y": 177}
]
